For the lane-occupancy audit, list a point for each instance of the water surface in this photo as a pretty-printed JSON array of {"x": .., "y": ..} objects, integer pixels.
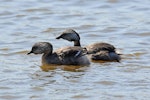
[{"x": 125, "y": 24}]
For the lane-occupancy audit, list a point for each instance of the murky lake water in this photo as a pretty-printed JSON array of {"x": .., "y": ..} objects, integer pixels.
[{"x": 123, "y": 23}]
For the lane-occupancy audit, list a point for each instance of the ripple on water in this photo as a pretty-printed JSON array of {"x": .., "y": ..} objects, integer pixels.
[
  {"x": 10, "y": 97},
  {"x": 64, "y": 67},
  {"x": 80, "y": 96},
  {"x": 105, "y": 82},
  {"x": 124, "y": 24}
]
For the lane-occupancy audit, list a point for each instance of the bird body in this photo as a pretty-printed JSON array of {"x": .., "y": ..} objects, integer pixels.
[
  {"x": 96, "y": 51},
  {"x": 62, "y": 56}
]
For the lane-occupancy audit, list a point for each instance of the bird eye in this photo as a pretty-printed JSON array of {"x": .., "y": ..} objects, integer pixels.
[{"x": 34, "y": 48}]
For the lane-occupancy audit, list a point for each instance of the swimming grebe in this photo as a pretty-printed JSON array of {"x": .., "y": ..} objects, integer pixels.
[
  {"x": 97, "y": 51},
  {"x": 63, "y": 56}
]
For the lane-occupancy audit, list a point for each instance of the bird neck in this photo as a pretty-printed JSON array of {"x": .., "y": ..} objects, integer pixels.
[
  {"x": 77, "y": 43},
  {"x": 45, "y": 57},
  {"x": 47, "y": 54}
]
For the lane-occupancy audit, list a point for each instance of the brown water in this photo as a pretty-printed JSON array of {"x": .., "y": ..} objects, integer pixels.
[{"x": 123, "y": 23}]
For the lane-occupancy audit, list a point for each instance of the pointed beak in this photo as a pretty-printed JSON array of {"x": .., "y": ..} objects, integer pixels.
[
  {"x": 58, "y": 37},
  {"x": 29, "y": 52}
]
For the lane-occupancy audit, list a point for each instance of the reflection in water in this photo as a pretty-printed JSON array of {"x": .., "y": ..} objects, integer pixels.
[
  {"x": 102, "y": 61},
  {"x": 71, "y": 68},
  {"x": 125, "y": 24}
]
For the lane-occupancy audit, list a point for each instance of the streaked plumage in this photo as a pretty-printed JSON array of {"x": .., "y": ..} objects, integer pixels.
[
  {"x": 96, "y": 51},
  {"x": 63, "y": 56}
]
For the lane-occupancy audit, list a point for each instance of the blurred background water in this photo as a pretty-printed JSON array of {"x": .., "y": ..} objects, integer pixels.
[{"x": 123, "y": 23}]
